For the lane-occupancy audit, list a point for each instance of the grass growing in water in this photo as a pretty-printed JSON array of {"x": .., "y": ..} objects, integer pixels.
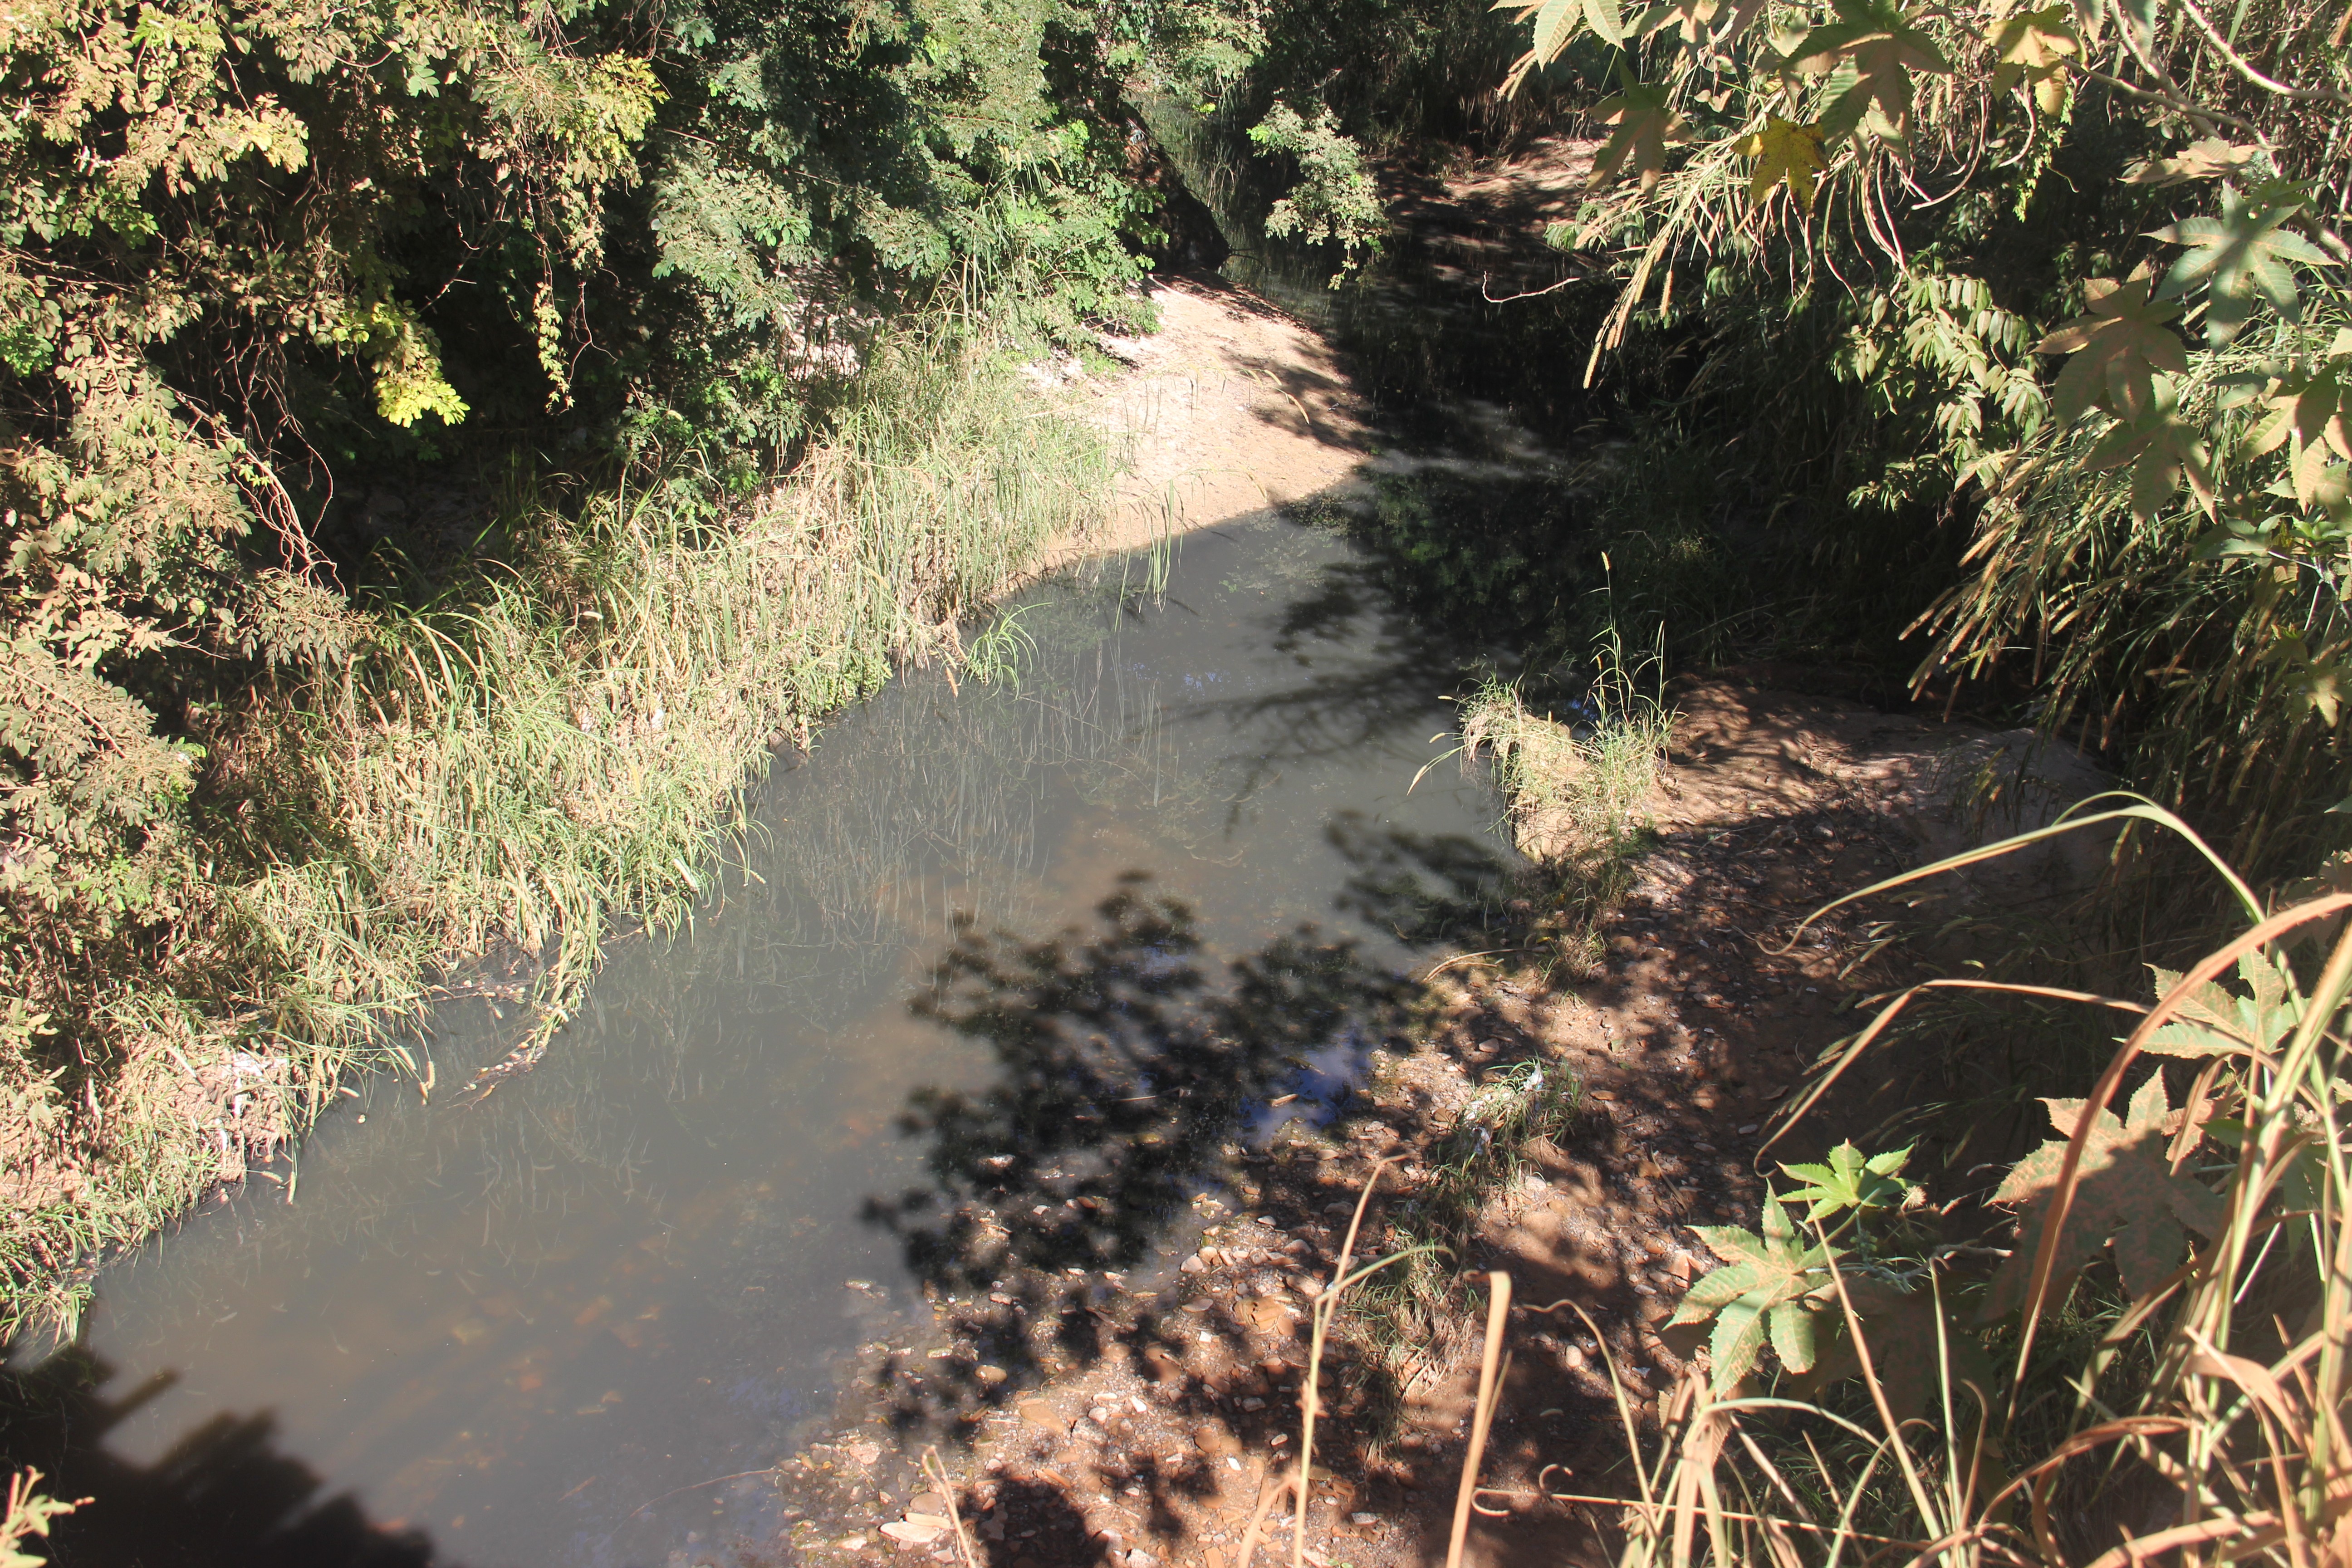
[{"x": 518, "y": 767}]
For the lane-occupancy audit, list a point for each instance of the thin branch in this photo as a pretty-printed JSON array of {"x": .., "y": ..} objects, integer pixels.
[
  {"x": 2239, "y": 63},
  {"x": 1531, "y": 294},
  {"x": 2175, "y": 101}
]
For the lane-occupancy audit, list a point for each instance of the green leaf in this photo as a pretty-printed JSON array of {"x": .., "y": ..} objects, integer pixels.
[
  {"x": 1739, "y": 1336},
  {"x": 1792, "y": 1335},
  {"x": 1848, "y": 1181},
  {"x": 1717, "y": 1288},
  {"x": 1645, "y": 124},
  {"x": 2310, "y": 414},
  {"x": 1876, "y": 40},
  {"x": 2163, "y": 450},
  {"x": 1556, "y": 23},
  {"x": 2239, "y": 255},
  {"x": 1768, "y": 1272},
  {"x": 2118, "y": 349}
]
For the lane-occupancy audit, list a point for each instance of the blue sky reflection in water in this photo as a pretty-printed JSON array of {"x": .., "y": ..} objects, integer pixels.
[{"x": 501, "y": 1327}]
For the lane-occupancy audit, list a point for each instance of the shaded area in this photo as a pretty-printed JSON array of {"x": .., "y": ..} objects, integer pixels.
[
  {"x": 1135, "y": 1068},
  {"x": 1129, "y": 1061},
  {"x": 223, "y": 1496}
]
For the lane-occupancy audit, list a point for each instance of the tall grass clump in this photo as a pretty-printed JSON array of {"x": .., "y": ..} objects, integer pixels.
[
  {"x": 543, "y": 752},
  {"x": 2140, "y": 1355},
  {"x": 1574, "y": 789}
]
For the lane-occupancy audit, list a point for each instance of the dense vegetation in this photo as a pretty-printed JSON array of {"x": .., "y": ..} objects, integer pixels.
[
  {"x": 382, "y": 393},
  {"x": 2010, "y": 344},
  {"x": 444, "y": 442},
  {"x": 2004, "y": 342}
]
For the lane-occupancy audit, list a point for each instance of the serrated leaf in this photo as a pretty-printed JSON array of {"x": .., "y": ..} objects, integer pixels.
[
  {"x": 1645, "y": 124},
  {"x": 1692, "y": 20},
  {"x": 1786, "y": 153},
  {"x": 2261, "y": 1018},
  {"x": 1848, "y": 1181},
  {"x": 1739, "y": 1336},
  {"x": 2124, "y": 1188},
  {"x": 2117, "y": 351},
  {"x": 2207, "y": 159},
  {"x": 2163, "y": 450},
  {"x": 1792, "y": 1335},
  {"x": 2033, "y": 49},
  {"x": 1556, "y": 23},
  {"x": 2310, "y": 414},
  {"x": 1876, "y": 40},
  {"x": 1730, "y": 1241},
  {"x": 2242, "y": 254},
  {"x": 1769, "y": 1272},
  {"x": 1718, "y": 1288}
]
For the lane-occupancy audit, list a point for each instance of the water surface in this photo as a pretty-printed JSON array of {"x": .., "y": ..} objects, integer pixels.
[{"x": 1174, "y": 865}]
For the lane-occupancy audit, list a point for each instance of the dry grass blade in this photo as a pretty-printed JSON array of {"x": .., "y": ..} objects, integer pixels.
[
  {"x": 1498, "y": 1312},
  {"x": 2103, "y": 1093},
  {"x": 937, "y": 1472}
]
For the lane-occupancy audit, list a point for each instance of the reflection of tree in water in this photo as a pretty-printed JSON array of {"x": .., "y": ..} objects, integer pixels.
[
  {"x": 1123, "y": 1069},
  {"x": 1419, "y": 887}
]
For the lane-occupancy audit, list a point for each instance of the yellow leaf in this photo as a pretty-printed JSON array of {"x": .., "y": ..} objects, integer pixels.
[{"x": 1786, "y": 153}]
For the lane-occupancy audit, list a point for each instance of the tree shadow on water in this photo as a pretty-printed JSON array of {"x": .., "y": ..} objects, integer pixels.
[
  {"x": 1127, "y": 1066},
  {"x": 1131, "y": 1066},
  {"x": 223, "y": 1496}
]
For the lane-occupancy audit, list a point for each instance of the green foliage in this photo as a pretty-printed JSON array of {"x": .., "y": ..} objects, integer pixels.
[
  {"x": 261, "y": 258},
  {"x": 551, "y": 749},
  {"x": 1773, "y": 1288},
  {"x": 1333, "y": 200},
  {"x": 30, "y": 1513},
  {"x": 1921, "y": 236},
  {"x": 2165, "y": 1303},
  {"x": 1850, "y": 1180}
]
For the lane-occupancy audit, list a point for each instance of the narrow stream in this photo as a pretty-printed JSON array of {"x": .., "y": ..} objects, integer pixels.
[{"x": 533, "y": 1328}]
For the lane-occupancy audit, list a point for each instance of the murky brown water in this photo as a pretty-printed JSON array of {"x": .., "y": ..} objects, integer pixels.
[{"x": 522, "y": 1330}]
